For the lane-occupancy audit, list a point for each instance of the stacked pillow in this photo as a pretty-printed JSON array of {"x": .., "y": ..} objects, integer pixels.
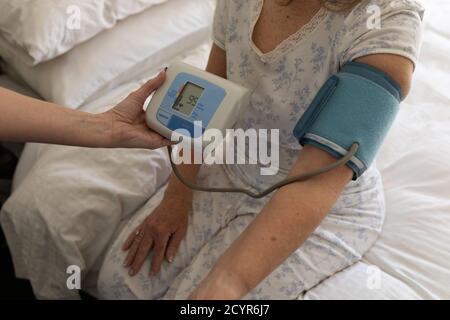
[
  {"x": 68, "y": 50},
  {"x": 40, "y": 30}
]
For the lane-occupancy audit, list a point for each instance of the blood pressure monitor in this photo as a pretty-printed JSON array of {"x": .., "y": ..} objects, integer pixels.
[
  {"x": 191, "y": 96},
  {"x": 349, "y": 118}
]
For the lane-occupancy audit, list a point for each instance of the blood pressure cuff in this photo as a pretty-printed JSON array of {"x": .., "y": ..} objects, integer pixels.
[{"x": 359, "y": 104}]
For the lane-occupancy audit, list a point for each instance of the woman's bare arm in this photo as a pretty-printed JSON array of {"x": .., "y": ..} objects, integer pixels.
[
  {"x": 290, "y": 217},
  {"x": 398, "y": 67},
  {"x": 23, "y": 119},
  {"x": 217, "y": 63}
]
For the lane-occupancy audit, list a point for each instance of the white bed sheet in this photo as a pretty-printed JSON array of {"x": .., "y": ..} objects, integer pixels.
[{"x": 8, "y": 83}]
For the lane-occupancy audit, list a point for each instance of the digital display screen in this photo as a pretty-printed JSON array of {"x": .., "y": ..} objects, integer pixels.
[{"x": 188, "y": 98}]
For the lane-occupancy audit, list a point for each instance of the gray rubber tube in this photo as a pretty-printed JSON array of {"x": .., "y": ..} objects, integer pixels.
[{"x": 299, "y": 178}]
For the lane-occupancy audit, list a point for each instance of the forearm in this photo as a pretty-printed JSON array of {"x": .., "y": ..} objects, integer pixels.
[
  {"x": 176, "y": 190},
  {"x": 23, "y": 119},
  {"x": 282, "y": 227}
]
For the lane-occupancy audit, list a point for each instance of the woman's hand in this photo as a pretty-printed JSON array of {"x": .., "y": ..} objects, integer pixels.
[
  {"x": 162, "y": 232},
  {"x": 129, "y": 129}
]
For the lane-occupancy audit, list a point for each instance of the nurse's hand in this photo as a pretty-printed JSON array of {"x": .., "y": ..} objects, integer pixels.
[{"x": 128, "y": 126}]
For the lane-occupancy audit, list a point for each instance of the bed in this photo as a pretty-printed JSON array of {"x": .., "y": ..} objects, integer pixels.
[{"x": 73, "y": 201}]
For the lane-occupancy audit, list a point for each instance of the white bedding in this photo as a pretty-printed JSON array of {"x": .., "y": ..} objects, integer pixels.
[
  {"x": 412, "y": 256},
  {"x": 35, "y": 31}
]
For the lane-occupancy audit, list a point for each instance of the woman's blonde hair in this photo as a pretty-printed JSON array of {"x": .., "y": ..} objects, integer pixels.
[{"x": 339, "y": 5}]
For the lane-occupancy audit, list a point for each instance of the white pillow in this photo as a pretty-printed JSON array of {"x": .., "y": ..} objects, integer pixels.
[
  {"x": 144, "y": 40},
  {"x": 39, "y": 30}
]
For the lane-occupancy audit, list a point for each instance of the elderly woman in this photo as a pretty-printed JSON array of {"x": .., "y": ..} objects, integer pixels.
[{"x": 228, "y": 246}]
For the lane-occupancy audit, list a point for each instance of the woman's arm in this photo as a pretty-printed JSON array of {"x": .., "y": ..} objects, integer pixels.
[
  {"x": 290, "y": 217},
  {"x": 23, "y": 119},
  {"x": 165, "y": 228},
  {"x": 217, "y": 63}
]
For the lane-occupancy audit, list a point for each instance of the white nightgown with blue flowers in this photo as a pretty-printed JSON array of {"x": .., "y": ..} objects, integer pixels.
[{"x": 283, "y": 83}]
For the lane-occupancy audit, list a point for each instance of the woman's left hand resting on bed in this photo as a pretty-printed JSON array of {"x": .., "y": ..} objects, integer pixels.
[{"x": 23, "y": 119}]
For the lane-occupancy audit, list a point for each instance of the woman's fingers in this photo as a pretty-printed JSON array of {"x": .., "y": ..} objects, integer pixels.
[
  {"x": 153, "y": 140},
  {"x": 139, "y": 245},
  {"x": 142, "y": 254},
  {"x": 155, "y": 234},
  {"x": 174, "y": 244},
  {"x": 138, "y": 237},
  {"x": 127, "y": 244},
  {"x": 131, "y": 253},
  {"x": 158, "y": 254}
]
